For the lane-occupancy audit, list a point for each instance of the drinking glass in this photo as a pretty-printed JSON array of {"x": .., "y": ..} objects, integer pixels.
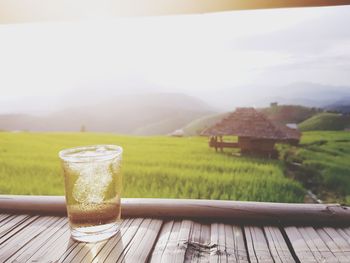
[{"x": 93, "y": 185}]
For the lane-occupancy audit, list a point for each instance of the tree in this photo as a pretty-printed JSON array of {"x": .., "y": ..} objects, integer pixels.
[{"x": 82, "y": 128}]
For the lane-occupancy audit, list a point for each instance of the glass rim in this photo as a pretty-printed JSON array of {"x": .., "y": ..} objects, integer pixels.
[{"x": 114, "y": 151}]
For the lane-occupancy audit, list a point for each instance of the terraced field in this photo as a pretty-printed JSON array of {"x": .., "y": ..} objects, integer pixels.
[
  {"x": 324, "y": 164},
  {"x": 152, "y": 167}
]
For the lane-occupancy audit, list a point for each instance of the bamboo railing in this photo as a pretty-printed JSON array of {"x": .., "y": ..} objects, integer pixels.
[{"x": 232, "y": 211}]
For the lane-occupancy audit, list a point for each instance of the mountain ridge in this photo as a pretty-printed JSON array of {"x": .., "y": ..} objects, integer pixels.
[{"x": 127, "y": 114}]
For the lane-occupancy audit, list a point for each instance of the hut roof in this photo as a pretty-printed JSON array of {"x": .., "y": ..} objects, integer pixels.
[
  {"x": 290, "y": 133},
  {"x": 248, "y": 122}
]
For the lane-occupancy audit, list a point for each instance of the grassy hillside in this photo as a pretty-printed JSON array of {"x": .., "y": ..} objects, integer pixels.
[
  {"x": 152, "y": 167},
  {"x": 323, "y": 159},
  {"x": 289, "y": 113},
  {"x": 326, "y": 122},
  {"x": 197, "y": 126}
]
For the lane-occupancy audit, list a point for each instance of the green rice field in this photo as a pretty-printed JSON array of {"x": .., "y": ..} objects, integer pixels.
[
  {"x": 325, "y": 164},
  {"x": 162, "y": 167}
]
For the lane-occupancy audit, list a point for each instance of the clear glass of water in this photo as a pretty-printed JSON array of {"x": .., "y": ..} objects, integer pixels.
[{"x": 93, "y": 185}]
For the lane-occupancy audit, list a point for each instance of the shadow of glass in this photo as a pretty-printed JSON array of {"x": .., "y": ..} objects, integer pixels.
[
  {"x": 99, "y": 252},
  {"x": 69, "y": 248}
]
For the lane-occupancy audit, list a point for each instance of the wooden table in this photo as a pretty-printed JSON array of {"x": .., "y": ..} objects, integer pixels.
[{"x": 163, "y": 236}]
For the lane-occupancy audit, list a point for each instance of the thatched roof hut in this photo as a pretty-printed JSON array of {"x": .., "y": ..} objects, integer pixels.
[
  {"x": 246, "y": 122},
  {"x": 290, "y": 135},
  {"x": 256, "y": 133}
]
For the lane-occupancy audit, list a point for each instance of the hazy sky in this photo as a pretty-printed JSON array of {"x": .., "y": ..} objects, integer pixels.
[{"x": 225, "y": 56}]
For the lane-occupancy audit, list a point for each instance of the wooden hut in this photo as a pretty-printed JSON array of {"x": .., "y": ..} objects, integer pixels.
[
  {"x": 256, "y": 133},
  {"x": 291, "y": 135}
]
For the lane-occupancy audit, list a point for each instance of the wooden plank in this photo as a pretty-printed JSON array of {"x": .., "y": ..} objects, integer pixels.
[
  {"x": 31, "y": 231},
  {"x": 144, "y": 249},
  {"x": 162, "y": 241},
  {"x": 67, "y": 248},
  {"x": 258, "y": 249},
  {"x": 347, "y": 230},
  {"x": 62, "y": 245},
  {"x": 321, "y": 250},
  {"x": 250, "y": 247},
  {"x": 51, "y": 245},
  {"x": 172, "y": 242},
  {"x": 273, "y": 245},
  {"x": 227, "y": 244},
  {"x": 142, "y": 243},
  {"x": 278, "y": 247},
  {"x": 81, "y": 250},
  {"x": 240, "y": 247},
  {"x": 12, "y": 222},
  {"x": 320, "y": 256},
  {"x": 205, "y": 246},
  {"x": 284, "y": 250},
  {"x": 261, "y": 247},
  {"x": 4, "y": 224},
  {"x": 344, "y": 234},
  {"x": 192, "y": 252},
  {"x": 104, "y": 250},
  {"x": 301, "y": 248},
  {"x": 342, "y": 244},
  {"x": 116, "y": 245},
  {"x": 196, "y": 242},
  {"x": 3, "y": 217},
  {"x": 221, "y": 243},
  {"x": 232, "y": 211},
  {"x": 332, "y": 246},
  {"x": 72, "y": 252},
  {"x": 14, "y": 226},
  {"x": 133, "y": 243},
  {"x": 182, "y": 241},
  {"x": 231, "y": 255},
  {"x": 119, "y": 251},
  {"x": 335, "y": 243},
  {"x": 214, "y": 241},
  {"x": 26, "y": 252}
]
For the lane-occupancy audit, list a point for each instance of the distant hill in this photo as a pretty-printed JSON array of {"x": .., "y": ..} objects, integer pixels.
[
  {"x": 326, "y": 122},
  {"x": 195, "y": 127},
  {"x": 142, "y": 114},
  {"x": 305, "y": 93},
  {"x": 340, "y": 106},
  {"x": 290, "y": 113}
]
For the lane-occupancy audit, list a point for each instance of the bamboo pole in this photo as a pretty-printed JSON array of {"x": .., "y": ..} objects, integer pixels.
[{"x": 232, "y": 211}]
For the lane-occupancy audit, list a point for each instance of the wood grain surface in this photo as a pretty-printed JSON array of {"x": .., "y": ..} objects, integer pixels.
[{"x": 34, "y": 238}]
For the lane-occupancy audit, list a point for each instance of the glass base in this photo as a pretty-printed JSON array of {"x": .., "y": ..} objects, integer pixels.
[{"x": 94, "y": 233}]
